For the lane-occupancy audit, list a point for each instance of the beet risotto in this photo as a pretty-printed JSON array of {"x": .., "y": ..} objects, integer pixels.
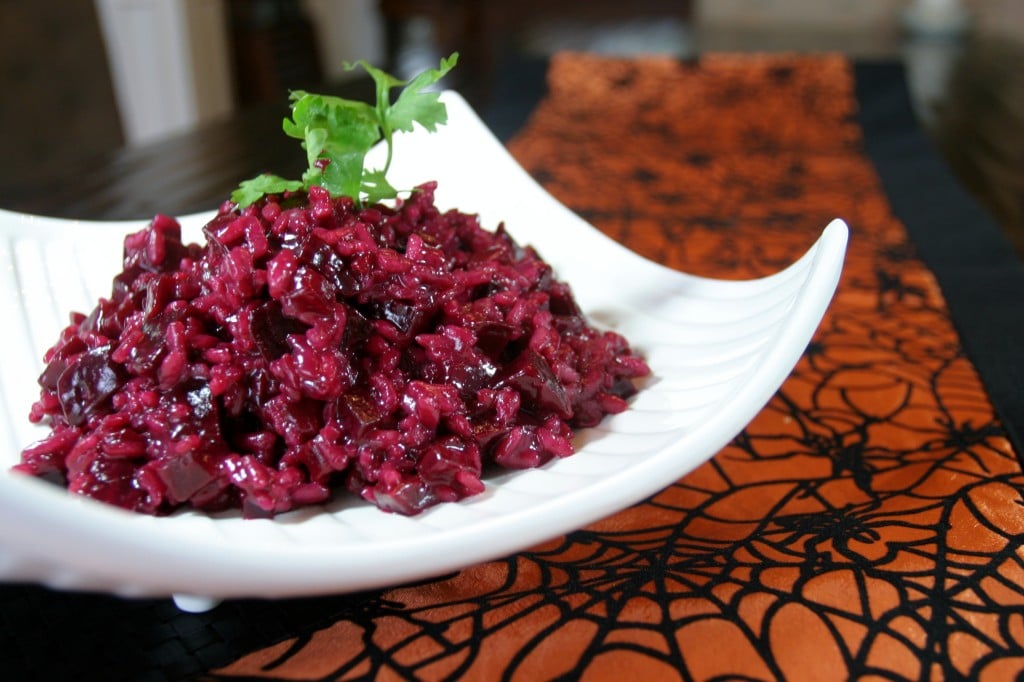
[{"x": 314, "y": 346}]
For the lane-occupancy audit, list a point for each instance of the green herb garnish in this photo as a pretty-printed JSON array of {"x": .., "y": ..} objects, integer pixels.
[{"x": 337, "y": 134}]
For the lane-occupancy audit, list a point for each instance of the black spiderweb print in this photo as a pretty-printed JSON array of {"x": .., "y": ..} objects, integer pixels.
[{"x": 867, "y": 522}]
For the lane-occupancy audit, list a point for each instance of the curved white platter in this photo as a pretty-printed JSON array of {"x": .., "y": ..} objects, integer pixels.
[{"x": 718, "y": 350}]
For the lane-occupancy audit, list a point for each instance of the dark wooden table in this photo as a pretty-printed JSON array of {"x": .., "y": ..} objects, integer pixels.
[{"x": 198, "y": 170}]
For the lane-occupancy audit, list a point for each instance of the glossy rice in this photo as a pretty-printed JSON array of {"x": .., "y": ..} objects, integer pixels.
[{"x": 314, "y": 347}]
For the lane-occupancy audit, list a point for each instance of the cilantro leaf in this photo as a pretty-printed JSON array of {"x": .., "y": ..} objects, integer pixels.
[
  {"x": 250, "y": 191},
  {"x": 338, "y": 133},
  {"x": 416, "y": 106},
  {"x": 376, "y": 187}
]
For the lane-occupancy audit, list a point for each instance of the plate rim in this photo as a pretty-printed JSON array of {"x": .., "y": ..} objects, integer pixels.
[{"x": 320, "y": 563}]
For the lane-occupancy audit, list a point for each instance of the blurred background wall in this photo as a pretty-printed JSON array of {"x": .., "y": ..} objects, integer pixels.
[
  {"x": 85, "y": 77},
  {"x": 134, "y": 70},
  {"x": 59, "y": 97}
]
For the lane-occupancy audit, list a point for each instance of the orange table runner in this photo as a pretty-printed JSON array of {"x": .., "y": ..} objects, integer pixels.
[{"x": 868, "y": 521}]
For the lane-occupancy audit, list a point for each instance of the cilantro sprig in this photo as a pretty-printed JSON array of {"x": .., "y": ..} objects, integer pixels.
[{"x": 338, "y": 133}]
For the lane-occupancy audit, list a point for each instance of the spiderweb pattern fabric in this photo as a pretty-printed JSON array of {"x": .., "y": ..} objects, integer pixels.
[{"x": 867, "y": 522}]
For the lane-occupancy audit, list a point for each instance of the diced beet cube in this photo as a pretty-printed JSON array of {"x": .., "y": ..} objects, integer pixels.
[
  {"x": 85, "y": 386},
  {"x": 531, "y": 375}
]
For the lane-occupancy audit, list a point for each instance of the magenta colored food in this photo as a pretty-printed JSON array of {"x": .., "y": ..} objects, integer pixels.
[{"x": 313, "y": 346}]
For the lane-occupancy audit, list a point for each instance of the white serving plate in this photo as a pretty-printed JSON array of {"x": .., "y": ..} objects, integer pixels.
[{"x": 718, "y": 351}]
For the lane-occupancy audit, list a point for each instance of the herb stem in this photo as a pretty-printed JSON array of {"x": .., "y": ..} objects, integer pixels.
[{"x": 338, "y": 133}]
